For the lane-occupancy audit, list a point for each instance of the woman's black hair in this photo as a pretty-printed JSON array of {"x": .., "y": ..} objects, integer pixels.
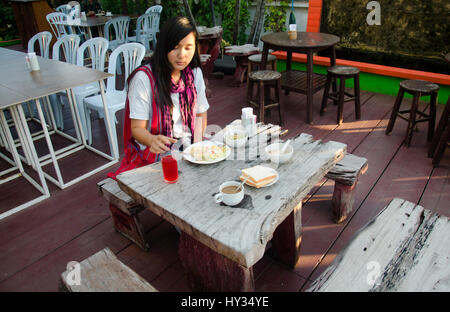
[{"x": 172, "y": 32}]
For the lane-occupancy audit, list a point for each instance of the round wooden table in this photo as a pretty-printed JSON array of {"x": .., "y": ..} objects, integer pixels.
[{"x": 293, "y": 80}]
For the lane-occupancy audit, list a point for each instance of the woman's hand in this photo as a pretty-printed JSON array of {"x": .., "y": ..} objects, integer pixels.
[{"x": 159, "y": 143}]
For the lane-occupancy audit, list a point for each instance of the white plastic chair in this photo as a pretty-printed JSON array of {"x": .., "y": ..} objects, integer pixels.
[
  {"x": 120, "y": 34},
  {"x": 146, "y": 28},
  {"x": 43, "y": 39},
  {"x": 69, "y": 45},
  {"x": 57, "y": 21},
  {"x": 156, "y": 9},
  {"x": 63, "y": 8},
  {"x": 96, "y": 49},
  {"x": 132, "y": 53}
]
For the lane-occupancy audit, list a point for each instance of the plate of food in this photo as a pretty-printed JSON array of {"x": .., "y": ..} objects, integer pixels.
[
  {"x": 206, "y": 152},
  {"x": 259, "y": 176}
]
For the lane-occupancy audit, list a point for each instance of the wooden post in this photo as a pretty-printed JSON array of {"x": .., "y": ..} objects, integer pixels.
[
  {"x": 208, "y": 270},
  {"x": 288, "y": 237}
]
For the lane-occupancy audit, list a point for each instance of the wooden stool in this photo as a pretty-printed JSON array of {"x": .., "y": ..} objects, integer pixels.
[
  {"x": 441, "y": 137},
  {"x": 342, "y": 73},
  {"x": 124, "y": 212},
  {"x": 417, "y": 88},
  {"x": 266, "y": 80},
  {"x": 255, "y": 61}
]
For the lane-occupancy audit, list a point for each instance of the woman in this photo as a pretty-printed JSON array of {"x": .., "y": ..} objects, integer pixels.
[{"x": 166, "y": 100}]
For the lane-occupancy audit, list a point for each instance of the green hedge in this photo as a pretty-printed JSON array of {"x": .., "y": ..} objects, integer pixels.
[{"x": 413, "y": 34}]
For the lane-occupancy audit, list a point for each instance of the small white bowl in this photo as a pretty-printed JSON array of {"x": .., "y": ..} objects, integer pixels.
[
  {"x": 272, "y": 152},
  {"x": 235, "y": 138}
]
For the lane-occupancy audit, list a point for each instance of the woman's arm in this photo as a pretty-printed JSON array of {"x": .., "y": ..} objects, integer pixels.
[
  {"x": 156, "y": 143},
  {"x": 201, "y": 121}
]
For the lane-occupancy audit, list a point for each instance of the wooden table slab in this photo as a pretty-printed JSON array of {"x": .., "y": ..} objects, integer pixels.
[
  {"x": 404, "y": 248},
  {"x": 239, "y": 233}
]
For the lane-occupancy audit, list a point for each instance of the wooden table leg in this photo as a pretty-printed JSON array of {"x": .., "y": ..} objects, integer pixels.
[
  {"x": 240, "y": 72},
  {"x": 208, "y": 270},
  {"x": 288, "y": 237}
]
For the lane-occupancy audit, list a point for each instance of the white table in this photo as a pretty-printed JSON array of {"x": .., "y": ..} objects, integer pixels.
[{"x": 18, "y": 84}]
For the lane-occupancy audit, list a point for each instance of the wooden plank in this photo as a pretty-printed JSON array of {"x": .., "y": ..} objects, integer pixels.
[
  {"x": 240, "y": 234},
  {"x": 405, "y": 248},
  {"x": 103, "y": 272},
  {"x": 381, "y": 240}
]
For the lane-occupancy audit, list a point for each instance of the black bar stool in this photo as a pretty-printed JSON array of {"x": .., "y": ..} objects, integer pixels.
[
  {"x": 342, "y": 72},
  {"x": 266, "y": 81},
  {"x": 417, "y": 88}
]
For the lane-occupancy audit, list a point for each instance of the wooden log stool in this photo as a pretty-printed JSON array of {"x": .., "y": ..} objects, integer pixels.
[
  {"x": 254, "y": 62},
  {"x": 103, "y": 272},
  {"x": 441, "y": 137},
  {"x": 345, "y": 175},
  {"x": 266, "y": 80},
  {"x": 342, "y": 73},
  {"x": 124, "y": 212},
  {"x": 417, "y": 88}
]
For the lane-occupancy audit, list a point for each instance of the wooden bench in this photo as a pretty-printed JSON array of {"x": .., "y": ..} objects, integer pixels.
[
  {"x": 404, "y": 248},
  {"x": 103, "y": 272},
  {"x": 124, "y": 212},
  {"x": 345, "y": 175}
]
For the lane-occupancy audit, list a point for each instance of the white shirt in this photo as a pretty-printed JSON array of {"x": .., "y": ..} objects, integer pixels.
[{"x": 140, "y": 101}]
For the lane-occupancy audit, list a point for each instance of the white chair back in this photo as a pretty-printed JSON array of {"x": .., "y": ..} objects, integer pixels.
[
  {"x": 120, "y": 26},
  {"x": 96, "y": 49},
  {"x": 55, "y": 20},
  {"x": 157, "y": 9},
  {"x": 133, "y": 54},
  {"x": 43, "y": 38},
  {"x": 146, "y": 29},
  {"x": 63, "y": 8},
  {"x": 70, "y": 44}
]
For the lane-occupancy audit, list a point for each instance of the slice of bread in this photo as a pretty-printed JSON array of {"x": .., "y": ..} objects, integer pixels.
[
  {"x": 259, "y": 174},
  {"x": 257, "y": 185}
]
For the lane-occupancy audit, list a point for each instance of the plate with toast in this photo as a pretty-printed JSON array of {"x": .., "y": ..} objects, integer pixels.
[
  {"x": 206, "y": 152},
  {"x": 259, "y": 176}
]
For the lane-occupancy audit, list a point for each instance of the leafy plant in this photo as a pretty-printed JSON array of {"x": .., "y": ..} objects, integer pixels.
[
  {"x": 227, "y": 8},
  {"x": 8, "y": 28},
  {"x": 275, "y": 18}
]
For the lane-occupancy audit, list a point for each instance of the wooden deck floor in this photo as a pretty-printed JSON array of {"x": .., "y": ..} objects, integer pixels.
[{"x": 37, "y": 243}]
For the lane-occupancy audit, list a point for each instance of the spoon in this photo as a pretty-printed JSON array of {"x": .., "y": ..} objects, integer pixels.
[
  {"x": 285, "y": 145},
  {"x": 240, "y": 185}
]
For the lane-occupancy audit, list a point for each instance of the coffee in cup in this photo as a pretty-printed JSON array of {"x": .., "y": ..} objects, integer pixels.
[{"x": 230, "y": 193}]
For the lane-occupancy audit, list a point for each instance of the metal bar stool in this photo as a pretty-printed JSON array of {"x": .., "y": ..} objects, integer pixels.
[
  {"x": 417, "y": 88},
  {"x": 342, "y": 73},
  {"x": 266, "y": 80}
]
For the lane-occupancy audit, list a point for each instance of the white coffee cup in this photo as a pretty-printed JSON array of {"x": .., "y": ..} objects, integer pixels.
[{"x": 229, "y": 199}]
